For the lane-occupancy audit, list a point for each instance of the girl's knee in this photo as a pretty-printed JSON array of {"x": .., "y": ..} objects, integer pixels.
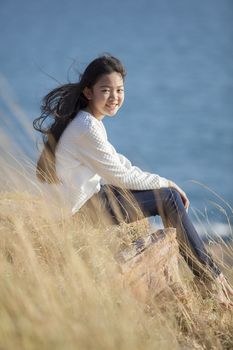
[
  {"x": 175, "y": 194},
  {"x": 171, "y": 197},
  {"x": 170, "y": 192}
]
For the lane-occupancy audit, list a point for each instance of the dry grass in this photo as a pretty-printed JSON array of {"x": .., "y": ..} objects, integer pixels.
[{"x": 60, "y": 290}]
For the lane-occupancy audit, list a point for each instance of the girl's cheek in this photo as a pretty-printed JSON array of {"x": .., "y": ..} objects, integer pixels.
[{"x": 104, "y": 97}]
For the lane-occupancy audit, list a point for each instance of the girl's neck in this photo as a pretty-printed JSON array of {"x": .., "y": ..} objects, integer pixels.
[{"x": 89, "y": 110}]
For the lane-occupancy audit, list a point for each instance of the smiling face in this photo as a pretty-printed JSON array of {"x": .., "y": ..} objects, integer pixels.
[{"x": 106, "y": 96}]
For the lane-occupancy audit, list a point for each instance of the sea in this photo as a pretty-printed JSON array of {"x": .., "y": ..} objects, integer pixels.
[{"x": 177, "y": 118}]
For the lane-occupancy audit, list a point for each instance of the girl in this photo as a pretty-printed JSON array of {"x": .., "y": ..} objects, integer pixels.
[{"x": 78, "y": 155}]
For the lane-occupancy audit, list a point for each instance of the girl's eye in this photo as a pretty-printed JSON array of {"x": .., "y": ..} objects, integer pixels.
[
  {"x": 105, "y": 90},
  {"x": 120, "y": 90}
]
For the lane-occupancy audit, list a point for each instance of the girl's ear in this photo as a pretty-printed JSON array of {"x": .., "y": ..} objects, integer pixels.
[{"x": 87, "y": 93}]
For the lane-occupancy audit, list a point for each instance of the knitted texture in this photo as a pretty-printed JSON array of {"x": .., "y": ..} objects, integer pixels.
[{"x": 85, "y": 160}]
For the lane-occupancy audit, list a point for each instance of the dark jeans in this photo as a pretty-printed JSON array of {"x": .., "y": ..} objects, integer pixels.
[{"x": 131, "y": 205}]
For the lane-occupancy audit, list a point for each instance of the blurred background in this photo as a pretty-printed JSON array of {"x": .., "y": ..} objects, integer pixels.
[{"x": 177, "y": 118}]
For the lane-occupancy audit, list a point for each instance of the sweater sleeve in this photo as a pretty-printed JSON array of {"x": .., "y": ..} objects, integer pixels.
[{"x": 98, "y": 154}]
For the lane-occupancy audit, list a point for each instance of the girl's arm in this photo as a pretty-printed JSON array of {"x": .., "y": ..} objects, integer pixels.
[
  {"x": 99, "y": 155},
  {"x": 126, "y": 162}
]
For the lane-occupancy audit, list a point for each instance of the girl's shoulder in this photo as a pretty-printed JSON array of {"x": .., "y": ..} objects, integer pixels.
[
  {"x": 86, "y": 124},
  {"x": 84, "y": 121}
]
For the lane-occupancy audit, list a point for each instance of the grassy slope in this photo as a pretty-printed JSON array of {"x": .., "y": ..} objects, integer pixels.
[{"x": 59, "y": 290}]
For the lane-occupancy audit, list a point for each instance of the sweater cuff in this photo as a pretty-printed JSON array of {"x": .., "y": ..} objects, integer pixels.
[{"x": 163, "y": 182}]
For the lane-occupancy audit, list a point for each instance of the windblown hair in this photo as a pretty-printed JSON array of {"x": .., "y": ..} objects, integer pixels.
[{"x": 61, "y": 105}]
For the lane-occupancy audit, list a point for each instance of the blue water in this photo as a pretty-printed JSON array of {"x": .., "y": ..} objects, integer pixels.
[{"x": 177, "y": 119}]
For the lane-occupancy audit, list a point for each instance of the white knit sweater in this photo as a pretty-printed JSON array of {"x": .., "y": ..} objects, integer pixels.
[{"x": 85, "y": 160}]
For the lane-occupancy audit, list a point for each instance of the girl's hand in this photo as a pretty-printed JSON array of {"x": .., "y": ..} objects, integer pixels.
[{"x": 181, "y": 192}]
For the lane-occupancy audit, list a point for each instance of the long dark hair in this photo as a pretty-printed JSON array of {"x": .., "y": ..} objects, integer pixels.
[{"x": 61, "y": 105}]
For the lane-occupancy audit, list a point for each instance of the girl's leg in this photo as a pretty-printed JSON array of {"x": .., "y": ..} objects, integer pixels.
[{"x": 167, "y": 203}]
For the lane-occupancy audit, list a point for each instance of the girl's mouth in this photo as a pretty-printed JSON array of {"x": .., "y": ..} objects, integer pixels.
[{"x": 112, "y": 105}]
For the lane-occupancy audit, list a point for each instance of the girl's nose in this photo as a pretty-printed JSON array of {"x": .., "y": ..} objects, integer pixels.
[{"x": 113, "y": 95}]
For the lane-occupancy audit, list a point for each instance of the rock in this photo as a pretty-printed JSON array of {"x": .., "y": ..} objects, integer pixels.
[{"x": 150, "y": 264}]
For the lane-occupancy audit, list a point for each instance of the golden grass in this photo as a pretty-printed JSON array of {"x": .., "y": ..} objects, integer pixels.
[{"x": 59, "y": 289}]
